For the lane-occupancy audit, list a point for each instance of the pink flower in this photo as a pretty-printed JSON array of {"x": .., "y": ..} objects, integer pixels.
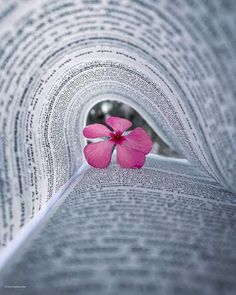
[{"x": 131, "y": 148}]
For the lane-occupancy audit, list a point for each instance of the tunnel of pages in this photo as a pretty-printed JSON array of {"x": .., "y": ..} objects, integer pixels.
[{"x": 58, "y": 58}]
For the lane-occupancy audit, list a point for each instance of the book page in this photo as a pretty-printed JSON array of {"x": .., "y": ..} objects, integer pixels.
[
  {"x": 173, "y": 61},
  {"x": 164, "y": 229}
]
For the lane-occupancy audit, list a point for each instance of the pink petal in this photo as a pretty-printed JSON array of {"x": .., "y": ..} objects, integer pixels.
[
  {"x": 138, "y": 139},
  {"x": 96, "y": 130},
  {"x": 129, "y": 158},
  {"x": 99, "y": 154},
  {"x": 118, "y": 124}
]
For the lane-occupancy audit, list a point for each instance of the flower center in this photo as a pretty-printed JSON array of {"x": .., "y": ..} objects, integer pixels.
[{"x": 117, "y": 137}]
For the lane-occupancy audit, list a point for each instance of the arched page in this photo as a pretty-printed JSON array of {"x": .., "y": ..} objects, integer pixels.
[{"x": 174, "y": 61}]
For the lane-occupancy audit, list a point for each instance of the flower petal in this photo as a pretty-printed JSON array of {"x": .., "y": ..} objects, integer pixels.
[
  {"x": 118, "y": 124},
  {"x": 96, "y": 130},
  {"x": 98, "y": 154},
  {"x": 138, "y": 139},
  {"x": 129, "y": 158}
]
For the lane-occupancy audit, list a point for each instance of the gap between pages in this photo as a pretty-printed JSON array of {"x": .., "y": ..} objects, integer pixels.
[{"x": 25, "y": 232}]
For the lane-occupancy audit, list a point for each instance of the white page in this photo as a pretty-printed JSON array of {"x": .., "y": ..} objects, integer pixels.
[{"x": 164, "y": 229}]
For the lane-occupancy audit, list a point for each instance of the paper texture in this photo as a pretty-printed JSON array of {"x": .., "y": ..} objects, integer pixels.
[
  {"x": 174, "y": 61},
  {"x": 164, "y": 229}
]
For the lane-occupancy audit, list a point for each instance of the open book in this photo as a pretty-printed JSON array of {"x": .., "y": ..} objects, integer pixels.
[{"x": 67, "y": 228}]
